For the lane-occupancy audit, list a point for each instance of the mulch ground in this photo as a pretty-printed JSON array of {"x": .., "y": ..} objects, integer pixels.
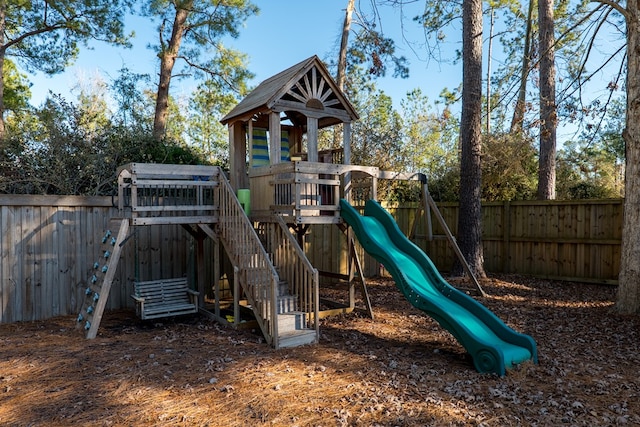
[{"x": 400, "y": 369}]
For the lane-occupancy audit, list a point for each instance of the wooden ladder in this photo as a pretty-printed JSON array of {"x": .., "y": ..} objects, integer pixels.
[{"x": 99, "y": 284}]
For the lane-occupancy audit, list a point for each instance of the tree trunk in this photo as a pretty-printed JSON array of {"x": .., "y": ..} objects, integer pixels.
[
  {"x": 518, "y": 113},
  {"x": 489, "y": 53},
  {"x": 548, "y": 113},
  {"x": 342, "y": 56},
  {"x": 3, "y": 10},
  {"x": 470, "y": 218},
  {"x": 628, "y": 298},
  {"x": 168, "y": 56},
  {"x": 341, "y": 76}
]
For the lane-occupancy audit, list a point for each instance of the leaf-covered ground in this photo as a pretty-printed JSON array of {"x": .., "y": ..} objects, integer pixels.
[{"x": 400, "y": 369}]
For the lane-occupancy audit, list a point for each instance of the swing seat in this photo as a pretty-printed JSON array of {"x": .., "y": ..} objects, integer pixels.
[{"x": 164, "y": 298}]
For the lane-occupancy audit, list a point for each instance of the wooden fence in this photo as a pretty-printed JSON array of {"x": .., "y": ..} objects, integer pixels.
[
  {"x": 565, "y": 240},
  {"x": 48, "y": 245}
]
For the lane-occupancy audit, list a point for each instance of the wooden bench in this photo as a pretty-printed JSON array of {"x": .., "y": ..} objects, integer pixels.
[{"x": 164, "y": 298}]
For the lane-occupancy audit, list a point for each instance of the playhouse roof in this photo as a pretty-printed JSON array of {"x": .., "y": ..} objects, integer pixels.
[{"x": 301, "y": 90}]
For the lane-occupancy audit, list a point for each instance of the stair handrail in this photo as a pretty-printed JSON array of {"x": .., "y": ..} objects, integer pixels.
[
  {"x": 302, "y": 276},
  {"x": 258, "y": 277}
]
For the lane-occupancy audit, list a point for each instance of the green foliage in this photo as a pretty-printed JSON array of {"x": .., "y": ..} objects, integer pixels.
[
  {"x": 202, "y": 52},
  {"x": 47, "y": 35},
  {"x": 509, "y": 168},
  {"x": 16, "y": 88},
  {"x": 75, "y": 149},
  {"x": 588, "y": 170},
  {"x": 447, "y": 187},
  {"x": 593, "y": 166},
  {"x": 207, "y": 104},
  {"x": 377, "y": 137},
  {"x": 431, "y": 138},
  {"x": 134, "y": 107}
]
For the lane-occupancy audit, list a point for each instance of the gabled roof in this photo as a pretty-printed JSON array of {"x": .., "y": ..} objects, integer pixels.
[{"x": 303, "y": 89}]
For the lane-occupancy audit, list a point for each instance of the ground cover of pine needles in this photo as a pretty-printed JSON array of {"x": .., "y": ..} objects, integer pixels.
[{"x": 400, "y": 369}]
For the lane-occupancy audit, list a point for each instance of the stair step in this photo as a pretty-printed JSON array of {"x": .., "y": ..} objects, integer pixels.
[
  {"x": 291, "y": 321},
  {"x": 284, "y": 304},
  {"x": 297, "y": 338}
]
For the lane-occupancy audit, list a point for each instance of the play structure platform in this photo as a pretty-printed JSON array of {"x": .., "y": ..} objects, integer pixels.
[{"x": 493, "y": 346}]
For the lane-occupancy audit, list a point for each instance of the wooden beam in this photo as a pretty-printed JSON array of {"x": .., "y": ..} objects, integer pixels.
[
  {"x": 105, "y": 288},
  {"x": 452, "y": 240},
  {"x": 312, "y": 139},
  {"x": 275, "y": 135},
  {"x": 237, "y": 156}
]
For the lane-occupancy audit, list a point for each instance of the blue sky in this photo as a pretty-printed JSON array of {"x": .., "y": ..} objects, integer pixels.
[{"x": 284, "y": 33}]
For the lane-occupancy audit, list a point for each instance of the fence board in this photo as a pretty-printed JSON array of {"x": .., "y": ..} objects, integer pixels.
[{"x": 15, "y": 242}]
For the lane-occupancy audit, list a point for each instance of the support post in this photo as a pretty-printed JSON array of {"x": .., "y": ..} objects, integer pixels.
[
  {"x": 312, "y": 139},
  {"x": 451, "y": 239},
  {"x": 237, "y": 156},
  {"x": 363, "y": 285},
  {"x": 423, "y": 207},
  {"x": 200, "y": 268},
  {"x": 346, "y": 144},
  {"x": 275, "y": 135},
  {"x": 236, "y": 296}
]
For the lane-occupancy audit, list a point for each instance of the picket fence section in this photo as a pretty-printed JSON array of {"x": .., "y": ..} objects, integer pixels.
[{"x": 48, "y": 245}]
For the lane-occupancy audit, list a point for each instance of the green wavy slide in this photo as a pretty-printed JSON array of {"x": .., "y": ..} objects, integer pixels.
[{"x": 493, "y": 346}]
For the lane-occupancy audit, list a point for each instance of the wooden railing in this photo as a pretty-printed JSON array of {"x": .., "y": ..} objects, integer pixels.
[
  {"x": 255, "y": 273},
  {"x": 154, "y": 194},
  {"x": 293, "y": 267},
  {"x": 307, "y": 192}
]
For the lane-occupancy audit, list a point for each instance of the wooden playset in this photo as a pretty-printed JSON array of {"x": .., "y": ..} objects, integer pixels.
[{"x": 278, "y": 185}]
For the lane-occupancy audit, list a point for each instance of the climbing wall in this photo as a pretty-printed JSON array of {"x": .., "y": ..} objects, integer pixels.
[{"x": 104, "y": 269}]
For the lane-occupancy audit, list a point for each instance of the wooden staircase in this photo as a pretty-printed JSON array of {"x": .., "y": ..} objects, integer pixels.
[
  {"x": 278, "y": 311},
  {"x": 96, "y": 293},
  {"x": 292, "y": 329}
]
